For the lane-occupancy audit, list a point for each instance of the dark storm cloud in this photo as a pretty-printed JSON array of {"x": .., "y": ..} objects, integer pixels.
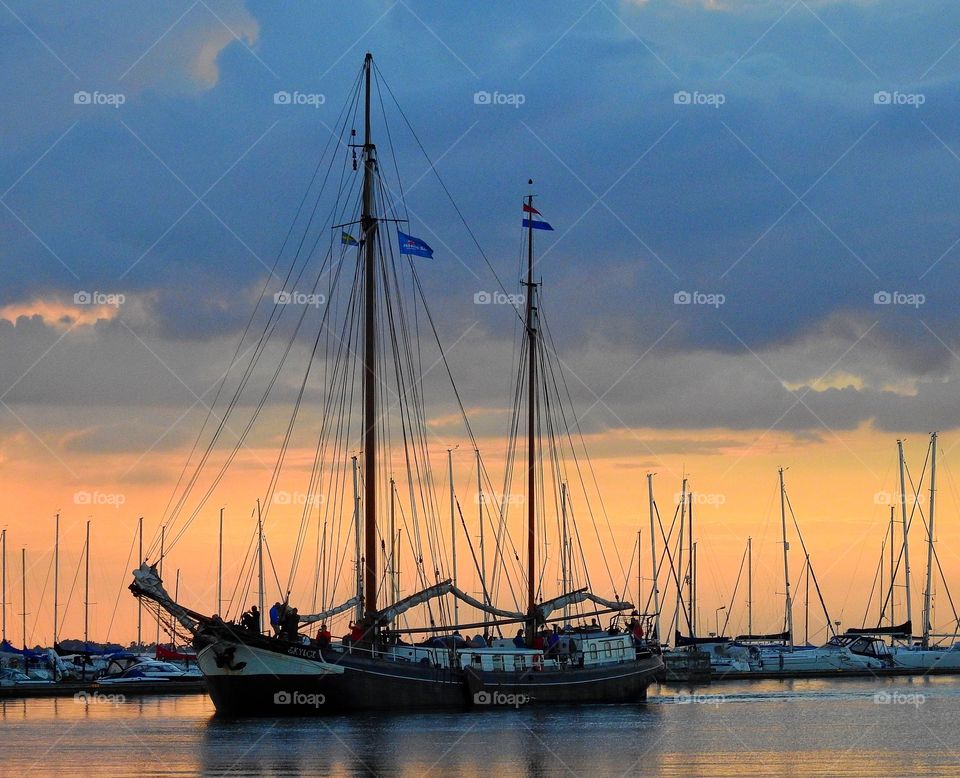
[{"x": 183, "y": 194}]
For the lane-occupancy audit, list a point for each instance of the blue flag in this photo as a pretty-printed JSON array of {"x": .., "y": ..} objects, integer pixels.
[
  {"x": 537, "y": 224},
  {"x": 414, "y": 246}
]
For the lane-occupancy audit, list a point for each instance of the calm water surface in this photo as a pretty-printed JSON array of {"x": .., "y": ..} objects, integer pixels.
[{"x": 823, "y": 728}]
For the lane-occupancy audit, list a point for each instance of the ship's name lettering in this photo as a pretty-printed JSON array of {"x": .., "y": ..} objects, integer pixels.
[{"x": 307, "y": 653}]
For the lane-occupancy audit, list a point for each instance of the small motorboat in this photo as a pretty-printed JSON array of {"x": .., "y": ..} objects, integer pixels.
[
  {"x": 843, "y": 652},
  {"x": 10, "y": 676},
  {"x": 150, "y": 670}
]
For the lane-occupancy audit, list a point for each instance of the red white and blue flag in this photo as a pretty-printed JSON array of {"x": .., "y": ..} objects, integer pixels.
[{"x": 529, "y": 222}]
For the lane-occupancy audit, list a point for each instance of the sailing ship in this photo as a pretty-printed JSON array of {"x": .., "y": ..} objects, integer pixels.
[{"x": 380, "y": 666}]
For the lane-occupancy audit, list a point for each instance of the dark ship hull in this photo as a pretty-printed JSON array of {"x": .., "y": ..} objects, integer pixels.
[{"x": 264, "y": 677}]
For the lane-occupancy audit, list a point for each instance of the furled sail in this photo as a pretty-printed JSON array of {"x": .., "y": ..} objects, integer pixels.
[
  {"x": 904, "y": 630},
  {"x": 323, "y": 615},
  {"x": 146, "y": 582},
  {"x": 773, "y": 636},
  {"x": 543, "y": 610},
  {"x": 572, "y": 598},
  {"x": 681, "y": 640},
  {"x": 438, "y": 590}
]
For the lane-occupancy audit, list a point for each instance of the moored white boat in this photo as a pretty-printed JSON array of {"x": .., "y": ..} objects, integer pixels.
[{"x": 843, "y": 652}]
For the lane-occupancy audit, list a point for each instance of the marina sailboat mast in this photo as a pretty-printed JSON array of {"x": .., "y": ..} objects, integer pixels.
[
  {"x": 654, "y": 570},
  {"x": 906, "y": 533},
  {"x": 927, "y": 594},
  {"x": 368, "y": 227},
  {"x": 3, "y": 564},
  {"x": 56, "y": 575},
  {"x": 786, "y": 556}
]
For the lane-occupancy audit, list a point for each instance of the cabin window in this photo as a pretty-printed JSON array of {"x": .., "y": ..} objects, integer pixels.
[
  {"x": 498, "y": 661},
  {"x": 593, "y": 653},
  {"x": 608, "y": 650},
  {"x": 475, "y": 660},
  {"x": 518, "y": 663}
]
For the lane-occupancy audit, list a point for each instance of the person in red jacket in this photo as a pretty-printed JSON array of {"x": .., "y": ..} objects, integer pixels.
[{"x": 323, "y": 636}]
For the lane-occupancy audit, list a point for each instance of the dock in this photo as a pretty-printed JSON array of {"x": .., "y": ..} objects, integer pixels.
[
  {"x": 147, "y": 688},
  {"x": 688, "y": 666}
]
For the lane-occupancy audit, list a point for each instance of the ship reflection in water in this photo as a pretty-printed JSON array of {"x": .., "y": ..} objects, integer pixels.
[{"x": 852, "y": 727}]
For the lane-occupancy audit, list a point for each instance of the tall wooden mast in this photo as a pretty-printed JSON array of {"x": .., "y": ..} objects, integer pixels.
[
  {"x": 368, "y": 225},
  {"x": 531, "y": 325}
]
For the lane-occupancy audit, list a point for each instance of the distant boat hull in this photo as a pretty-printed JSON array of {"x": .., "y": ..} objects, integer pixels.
[
  {"x": 929, "y": 659},
  {"x": 168, "y": 655},
  {"x": 819, "y": 659}
]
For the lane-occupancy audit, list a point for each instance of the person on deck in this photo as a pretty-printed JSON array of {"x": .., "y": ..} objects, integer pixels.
[
  {"x": 553, "y": 641},
  {"x": 356, "y": 632},
  {"x": 291, "y": 625},
  {"x": 574, "y": 659},
  {"x": 250, "y": 620},
  {"x": 275, "y": 618},
  {"x": 323, "y": 636},
  {"x": 519, "y": 641}
]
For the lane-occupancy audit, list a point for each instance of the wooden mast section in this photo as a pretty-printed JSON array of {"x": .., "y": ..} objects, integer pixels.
[
  {"x": 368, "y": 226},
  {"x": 531, "y": 326}
]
